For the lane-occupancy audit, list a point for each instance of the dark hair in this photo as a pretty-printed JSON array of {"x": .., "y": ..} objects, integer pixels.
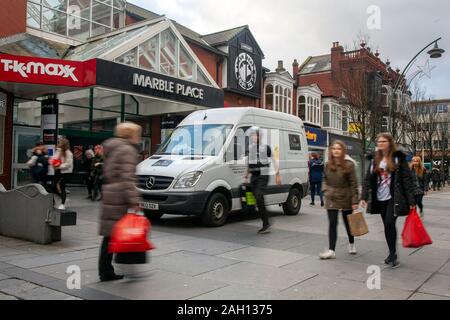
[
  {"x": 389, "y": 155},
  {"x": 339, "y": 163}
]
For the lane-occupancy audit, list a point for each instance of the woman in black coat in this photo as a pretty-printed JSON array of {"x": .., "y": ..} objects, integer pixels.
[{"x": 389, "y": 190}]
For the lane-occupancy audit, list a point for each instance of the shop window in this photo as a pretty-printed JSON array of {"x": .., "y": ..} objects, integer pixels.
[
  {"x": 104, "y": 121},
  {"x": 148, "y": 54},
  {"x": 301, "y": 112},
  {"x": 168, "y": 53},
  {"x": 186, "y": 65},
  {"x": 326, "y": 115},
  {"x": 54, "y": 21},
  {"x": 128, "y": 58},
  {"x": 269, "y": 97},
  {"x": 73, "y": 118},
  {"x": 27, "y": 113}
]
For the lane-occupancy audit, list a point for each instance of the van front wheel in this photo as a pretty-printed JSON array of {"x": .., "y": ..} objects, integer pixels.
[
  {"x": 216, "y": 211},
  {"x": 293, "y": 204}
]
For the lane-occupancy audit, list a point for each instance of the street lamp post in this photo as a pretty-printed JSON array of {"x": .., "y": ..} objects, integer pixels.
[{"x": 434, "y": 53}]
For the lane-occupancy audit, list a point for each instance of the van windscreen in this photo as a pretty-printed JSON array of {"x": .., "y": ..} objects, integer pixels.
[{"x": 201, "y": 139}]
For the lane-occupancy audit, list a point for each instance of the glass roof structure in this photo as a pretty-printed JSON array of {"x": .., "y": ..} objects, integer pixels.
[{"x": 154, "y": 45}]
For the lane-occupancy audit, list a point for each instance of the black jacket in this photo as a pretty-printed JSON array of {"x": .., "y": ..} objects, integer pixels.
[
  {"x": 421, "y": 184},
  {"x": 402, "y": 186}
]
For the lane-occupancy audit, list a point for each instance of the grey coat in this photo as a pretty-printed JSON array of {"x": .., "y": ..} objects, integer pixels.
[{"x": 119, "y": 185}]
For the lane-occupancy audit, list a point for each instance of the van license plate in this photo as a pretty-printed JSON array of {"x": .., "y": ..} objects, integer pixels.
[{"x": 149, "y": 206}]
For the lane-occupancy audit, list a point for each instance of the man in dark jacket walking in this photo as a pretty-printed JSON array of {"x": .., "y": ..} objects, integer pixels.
[
  {"x": 316, "y": 167},
  {"x": 436, "y": 179}
]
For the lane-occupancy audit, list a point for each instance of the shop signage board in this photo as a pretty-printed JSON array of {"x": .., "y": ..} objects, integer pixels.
[
  {"x": 49, "y": 124},
  {"x": 316, "y": 137},
  {"x": 126, "y": 78},
  {"x": 354, "y": 146},
  {"x": 245, "y": 65},
  {"x": 23, "y": 69}
]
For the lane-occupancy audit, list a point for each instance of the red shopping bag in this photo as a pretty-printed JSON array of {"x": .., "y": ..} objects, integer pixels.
[
  {"x": 414, "y": 234},
  {"x": 130, "y": 235}
]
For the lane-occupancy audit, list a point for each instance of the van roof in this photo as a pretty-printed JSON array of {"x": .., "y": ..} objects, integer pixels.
[{"x": 233, "y": 115}]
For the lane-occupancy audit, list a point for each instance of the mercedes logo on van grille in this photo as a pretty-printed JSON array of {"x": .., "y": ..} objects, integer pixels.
[{"x": 150, "y": 182}]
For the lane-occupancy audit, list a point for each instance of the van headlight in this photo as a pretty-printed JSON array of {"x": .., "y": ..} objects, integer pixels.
[{"x": 188, "y": 180}]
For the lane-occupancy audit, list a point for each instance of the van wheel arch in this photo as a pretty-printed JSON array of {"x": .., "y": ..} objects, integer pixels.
[
  {"x": 216, "y": 197},
  {"x": 293, "y": 203}
]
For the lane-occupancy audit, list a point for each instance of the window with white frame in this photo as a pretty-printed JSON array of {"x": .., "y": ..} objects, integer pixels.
[
  {"x": 269, "y": 97},
  {"x": 301, "y": 110},
  {"x": 344, "y": 121},
  {"x": 326, "y": 115},
  {"x": 289, "y": 99},
  {"x": 278, "y": 98},
  {"x": 335, "y": 117}
]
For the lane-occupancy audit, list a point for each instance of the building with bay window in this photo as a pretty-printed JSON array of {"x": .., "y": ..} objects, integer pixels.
[{"x": 279, "y": 90}]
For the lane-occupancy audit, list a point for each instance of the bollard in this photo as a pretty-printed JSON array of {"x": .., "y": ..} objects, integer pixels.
[{"x": 27, "y": 213}]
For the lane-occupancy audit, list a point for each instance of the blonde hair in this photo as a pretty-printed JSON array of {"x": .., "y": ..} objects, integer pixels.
[
  {"x": 127, "y": 130},
  {"x": 420, "y": 169}
]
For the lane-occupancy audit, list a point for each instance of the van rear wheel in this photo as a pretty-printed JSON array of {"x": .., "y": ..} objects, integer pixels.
[
  {"x": 293, "y": 204},
  {"x": 216, "y": 211},
  {"x": 153, "y": 215}
]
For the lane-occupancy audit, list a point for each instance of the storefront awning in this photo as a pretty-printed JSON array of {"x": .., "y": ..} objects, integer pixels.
[{"x": 32, "y": 77}]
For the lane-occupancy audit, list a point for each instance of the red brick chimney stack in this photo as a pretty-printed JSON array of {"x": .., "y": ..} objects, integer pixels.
[{"x": 295, "y": 67}]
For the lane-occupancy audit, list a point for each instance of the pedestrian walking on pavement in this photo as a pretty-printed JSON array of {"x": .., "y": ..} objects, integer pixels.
[
  {"x": 420, "y": 182},
  {"x": 436, "y": 179},
  {"x": 119, "y": 188},
  {"x": 316, "y": 167},
  {"x": 38, "y": 164},
  {"x": 97, "y": 173},
  {"x": 259, "y": 159},
  {"x": 340, "y": 186},
  {"x": 87, "y": 164},
  {"x": 388, "y": 190},
  {"x": 63, "y": 164}
]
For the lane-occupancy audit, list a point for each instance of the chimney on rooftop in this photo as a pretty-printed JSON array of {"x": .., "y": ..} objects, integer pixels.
[{"x": 280, "y": 66}]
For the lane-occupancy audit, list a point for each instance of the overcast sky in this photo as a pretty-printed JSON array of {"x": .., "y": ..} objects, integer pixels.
[{"x": 295, "y": 29}]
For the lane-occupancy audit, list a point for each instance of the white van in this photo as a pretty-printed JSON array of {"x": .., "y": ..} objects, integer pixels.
[{"x": 198, "y": 170}]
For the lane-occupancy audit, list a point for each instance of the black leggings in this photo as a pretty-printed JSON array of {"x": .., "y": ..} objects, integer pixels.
[
  {"x": 386, "y": 208},
  {"x": 259, "y": 185},
  {"x": 419, "y": 201},
  {"x": 332, "y": 232},
  {"x": 105, "y": 267},
  {"x": 60, "y": 185}
]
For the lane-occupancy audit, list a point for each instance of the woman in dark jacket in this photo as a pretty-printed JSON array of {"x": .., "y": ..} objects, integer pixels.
[
  {"x": 389, "y": 190},
  {"x": 341, "y": 194},
  {"x": 119, "y": 188},
  {"x": 420, "y": 182}
]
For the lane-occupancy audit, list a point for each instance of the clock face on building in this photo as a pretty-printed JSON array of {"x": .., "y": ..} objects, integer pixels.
[{"x": 245, "y": 71}]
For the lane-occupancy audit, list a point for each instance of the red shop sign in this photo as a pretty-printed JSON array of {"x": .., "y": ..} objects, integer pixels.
[{"x": 47, "y": 71}]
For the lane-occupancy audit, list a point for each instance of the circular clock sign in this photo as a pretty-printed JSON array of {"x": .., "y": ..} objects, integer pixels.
[{"x": 245, "y": 71}]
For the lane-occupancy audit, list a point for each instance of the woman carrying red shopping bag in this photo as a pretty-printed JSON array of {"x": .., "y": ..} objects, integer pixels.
[
  {"x": 389, "y": 190},
  {"x": 119, "y": 189}
]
